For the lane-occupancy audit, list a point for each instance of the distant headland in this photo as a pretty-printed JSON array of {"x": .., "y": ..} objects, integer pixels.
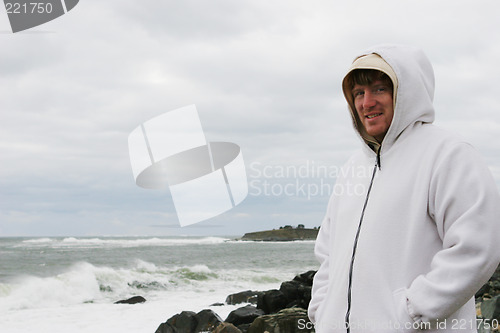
[{"x": 283, "y": 234}]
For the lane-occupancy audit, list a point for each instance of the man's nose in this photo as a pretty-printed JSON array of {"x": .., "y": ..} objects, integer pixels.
[{"x": 368, "y": 100}]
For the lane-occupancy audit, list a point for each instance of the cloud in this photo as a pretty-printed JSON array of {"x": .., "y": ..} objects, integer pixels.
[{"x": 265, "y": 75}]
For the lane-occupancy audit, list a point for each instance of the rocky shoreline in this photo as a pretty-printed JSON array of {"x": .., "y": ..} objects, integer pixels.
[
  {"x": 276, "y": 310},
  {"x": 284, "y": 310}
]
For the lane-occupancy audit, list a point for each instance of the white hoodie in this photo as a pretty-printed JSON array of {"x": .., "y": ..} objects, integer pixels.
[{"x": 407, "y": 242}]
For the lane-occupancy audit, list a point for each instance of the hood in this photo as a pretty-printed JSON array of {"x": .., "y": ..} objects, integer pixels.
[{"x": 413, "y": 80}]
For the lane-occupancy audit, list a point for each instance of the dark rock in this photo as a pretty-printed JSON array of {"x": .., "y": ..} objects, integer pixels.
[
  {"x": 190, "y": 322},
  {"x": 490, "y": 288},
  {"x": 490, "y": 309},
  {"x": 132, "y": 300},
  {"x": 166, "y": 328},
  {"x": 244, "y": 315},
  {"x": 496, "y": 275},
  {"x": 247, "y": 296},
  {"x": 226, "y": 328},
  {"x": 184, "y": 322},
  {"x": 217, "y": 304},
  {"x": 485, "y": 289},
  {"x": 291, "y": 290},
  {"x": 292, "y": 320},
  {"x": 298, "y": 291},
  {"x": 244, "y": 327},
  {"x": 207, "y": 321},
  {"x": 305, "y": 278},
  {"x": 272, "y": 301},
  {"x": 494, "y": 283},
  {"x": 305, "y": 296}
]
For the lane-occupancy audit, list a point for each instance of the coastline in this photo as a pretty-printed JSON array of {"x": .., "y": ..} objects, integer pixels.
[
  {"x": 283, "y": 234},
  {"x": 285, "y": 310}
]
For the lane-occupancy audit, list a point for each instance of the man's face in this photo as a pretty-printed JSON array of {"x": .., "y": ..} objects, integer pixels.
[{"x": 374, "y": 107}]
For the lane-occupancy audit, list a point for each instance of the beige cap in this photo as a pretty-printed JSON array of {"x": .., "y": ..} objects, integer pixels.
[{"x": 370, "y": 61}]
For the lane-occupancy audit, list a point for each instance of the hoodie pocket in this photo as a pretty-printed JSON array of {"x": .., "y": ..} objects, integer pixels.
[{"x": 404, "y": 323}]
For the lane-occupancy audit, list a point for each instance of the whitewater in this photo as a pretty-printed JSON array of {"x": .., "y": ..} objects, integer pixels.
[{"x": 70, "y": 284}]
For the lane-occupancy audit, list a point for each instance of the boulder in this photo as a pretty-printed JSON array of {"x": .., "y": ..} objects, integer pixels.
[
  {"x": 291, "y": 320},
  {"x": 132, "y": 300},
  {"x": 166, "y": 328},
  {"x": 490, "y": 288},
  {"x": 490, "y": 309},
  {"x": 272, "y": 301},
  {"x": 298, "y": 291},
  {"x": 217, "y": 304},
  {"x": 305, "y": 278},
  {"x": 494, "y": 283},
  {"x": 226, "y": 328},
  {"x": 188, "y": 321},
  {"x": 247, "y": 296},
  {"x": 207, "y": 321},
  {"x": 485, "y": 289},
  {"x": 244, "y": 327},
  {"x": 184, "y": 322},
  {"x": 305, "y": 296},
  {"x": 244, "y": 315},
  {"x": 290, "y": 289}
]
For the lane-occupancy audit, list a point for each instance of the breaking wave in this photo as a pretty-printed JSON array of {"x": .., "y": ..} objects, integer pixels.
[
  {"x": 118, "y": 242},
  {"x": 87, "y": 283}
]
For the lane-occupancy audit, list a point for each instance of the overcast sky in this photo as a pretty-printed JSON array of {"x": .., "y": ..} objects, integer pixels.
[{"x": 263, "y": 74}]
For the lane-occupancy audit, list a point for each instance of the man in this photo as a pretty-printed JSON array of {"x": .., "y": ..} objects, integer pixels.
[{"x": 411, "y": 251}]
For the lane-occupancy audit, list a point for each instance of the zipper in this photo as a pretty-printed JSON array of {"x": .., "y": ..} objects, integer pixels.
[{"x": 351, "y": 268}]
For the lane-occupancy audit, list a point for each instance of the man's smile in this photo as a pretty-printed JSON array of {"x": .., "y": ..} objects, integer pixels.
[{"x": 373, "y": 115}]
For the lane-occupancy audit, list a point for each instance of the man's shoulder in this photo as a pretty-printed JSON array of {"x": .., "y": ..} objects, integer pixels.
[
  {"x": 432, "y": 135},
  {"x": 440, "y": 144}
]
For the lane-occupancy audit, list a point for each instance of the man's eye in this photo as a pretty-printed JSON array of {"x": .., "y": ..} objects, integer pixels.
[{"x": 381, "y": 89}]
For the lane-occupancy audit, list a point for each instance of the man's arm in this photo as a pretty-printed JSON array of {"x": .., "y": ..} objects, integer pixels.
[
  {"x": 321, "y": 251},
  {"x": 465, "y": 204}
]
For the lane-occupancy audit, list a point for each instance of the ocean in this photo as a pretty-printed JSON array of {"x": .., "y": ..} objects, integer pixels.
[{"x": 69, "y": 284}]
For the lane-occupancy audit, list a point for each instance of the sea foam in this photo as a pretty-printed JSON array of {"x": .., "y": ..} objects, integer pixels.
[
  {"x": 118, "y": 242},
  {"x": 87, "y": 283}
]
